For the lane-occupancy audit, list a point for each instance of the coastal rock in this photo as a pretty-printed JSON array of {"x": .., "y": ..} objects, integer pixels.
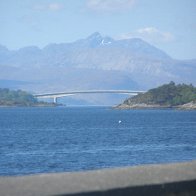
[
  {"x": 140, "y": 106},
  {"x": 188, "y": 106}
]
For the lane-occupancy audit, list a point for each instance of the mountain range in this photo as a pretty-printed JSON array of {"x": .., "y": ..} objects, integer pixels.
[{"x": 96, "y": 62}]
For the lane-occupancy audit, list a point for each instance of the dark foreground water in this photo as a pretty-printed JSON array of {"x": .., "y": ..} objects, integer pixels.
[{"x": 37, "y": 140}]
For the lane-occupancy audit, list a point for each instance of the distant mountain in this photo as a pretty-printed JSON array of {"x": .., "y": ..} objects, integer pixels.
[
  {"x": 12, "y": 84},
  {"x": 97, "y": 62}
]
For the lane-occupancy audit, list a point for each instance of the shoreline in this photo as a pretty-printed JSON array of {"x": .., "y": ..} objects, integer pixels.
[
  {"x": 30, "y": 106},
  {"x": 187, "y": 106}
]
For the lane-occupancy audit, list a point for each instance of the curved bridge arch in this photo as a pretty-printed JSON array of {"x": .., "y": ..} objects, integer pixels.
[{"x": 54, "y": 96}]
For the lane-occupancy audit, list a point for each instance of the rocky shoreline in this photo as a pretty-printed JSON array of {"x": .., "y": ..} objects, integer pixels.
[
  {"x": 187, "y": 106},
  {"x": 33, "y": 105}
]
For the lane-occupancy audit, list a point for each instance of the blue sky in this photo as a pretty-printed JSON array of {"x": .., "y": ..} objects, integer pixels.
[{"x": 168, "y": 24}]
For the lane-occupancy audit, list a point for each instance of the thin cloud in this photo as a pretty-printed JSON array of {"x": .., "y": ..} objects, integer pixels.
[
  {"x": 48, "y": 7},
  {"x": 150, "y": 34},
  {"x": 154, "y": 33},
  {"x": 109, "y": 5}
]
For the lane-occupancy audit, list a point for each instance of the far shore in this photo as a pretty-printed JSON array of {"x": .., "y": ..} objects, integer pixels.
[
  {"x": 29, "y": 106},
  {"x": 187, "y": 106}
]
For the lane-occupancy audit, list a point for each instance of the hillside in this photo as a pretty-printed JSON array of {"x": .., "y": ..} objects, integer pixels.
[
  {"x": 19, "y": 98},
  {"x": 95, "y": 62},
  {"x": 167, "y": 95}
]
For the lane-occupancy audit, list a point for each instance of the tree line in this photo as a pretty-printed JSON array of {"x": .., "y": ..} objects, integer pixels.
[
  {"x": 166, "y": 95},
  {"x": 16, "y": 97}
]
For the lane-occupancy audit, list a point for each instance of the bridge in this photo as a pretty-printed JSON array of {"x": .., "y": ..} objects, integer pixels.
[{"x": 57, "y": 95}]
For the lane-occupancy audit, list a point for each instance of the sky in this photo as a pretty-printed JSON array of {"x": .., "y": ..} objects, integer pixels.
[{"x": 167, "y": 24}]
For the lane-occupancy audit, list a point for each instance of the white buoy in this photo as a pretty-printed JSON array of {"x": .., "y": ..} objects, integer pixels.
[{"x": 119, "y": 121}]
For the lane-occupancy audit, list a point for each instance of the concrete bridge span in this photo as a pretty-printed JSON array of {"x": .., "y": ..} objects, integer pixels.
[{"x": 57, "y": 95}]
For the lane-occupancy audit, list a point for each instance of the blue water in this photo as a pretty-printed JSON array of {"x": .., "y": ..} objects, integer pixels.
[{"x": 39, "y": 140}]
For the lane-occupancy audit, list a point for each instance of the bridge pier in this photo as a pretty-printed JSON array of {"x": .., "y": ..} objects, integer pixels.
[{"x": 55, "y": 100}]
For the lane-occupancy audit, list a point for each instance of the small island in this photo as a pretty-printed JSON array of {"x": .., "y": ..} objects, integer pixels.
[
  {"x": 181, "y": 96},
  {"x": 19, "y": 98}
]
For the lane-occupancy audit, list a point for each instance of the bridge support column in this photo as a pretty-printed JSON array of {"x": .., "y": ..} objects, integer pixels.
[{"x": 55, "y": 100}]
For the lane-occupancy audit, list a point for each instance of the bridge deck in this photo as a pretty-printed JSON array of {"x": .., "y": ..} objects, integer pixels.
[{"x": 60, "y": 94}]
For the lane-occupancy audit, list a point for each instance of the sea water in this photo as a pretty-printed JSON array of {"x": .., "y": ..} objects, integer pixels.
[{"x": 60, "y": 139}]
